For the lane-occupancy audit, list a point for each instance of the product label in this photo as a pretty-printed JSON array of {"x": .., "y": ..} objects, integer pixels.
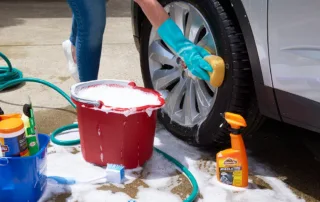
[
  {"x": 33, "y": 146},
  {"x": 230, "y": 172},
  {"x": 1, "y": 143},
  {"x": 15, "y": 146}
]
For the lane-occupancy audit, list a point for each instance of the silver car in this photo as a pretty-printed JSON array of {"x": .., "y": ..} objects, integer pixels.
[{"x": 272, "y": 53}]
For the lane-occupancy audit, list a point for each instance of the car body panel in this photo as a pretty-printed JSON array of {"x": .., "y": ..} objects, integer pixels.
[
  {"x": 253, "y": 25},
  {"x": 295, "y": 46},
  {"x": 257, "y": 14}
]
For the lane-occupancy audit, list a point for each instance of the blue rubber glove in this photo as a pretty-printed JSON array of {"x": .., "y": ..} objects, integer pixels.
[{"x": 191, "y": 54}]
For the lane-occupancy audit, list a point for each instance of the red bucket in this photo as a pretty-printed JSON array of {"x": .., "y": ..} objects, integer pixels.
[{"x": 115, "y": 135}]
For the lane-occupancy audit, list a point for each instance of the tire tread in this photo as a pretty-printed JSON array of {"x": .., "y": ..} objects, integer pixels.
[
  {"x": 243, "y": 92},
  {"x": 242, "y": 100}
]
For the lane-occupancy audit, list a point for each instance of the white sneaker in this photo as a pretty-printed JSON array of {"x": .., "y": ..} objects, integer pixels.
[{"x": 72, "y": 66}]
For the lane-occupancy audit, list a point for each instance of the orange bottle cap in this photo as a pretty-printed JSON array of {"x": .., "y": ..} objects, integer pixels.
[
  {"x": 11, "y": 125},
  {"x": 8, "y": 116}
]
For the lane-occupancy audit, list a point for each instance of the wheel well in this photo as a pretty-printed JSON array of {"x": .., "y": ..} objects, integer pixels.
[
  {"x": 237, "y": 14},
  {"x": 236, "y": 93}
]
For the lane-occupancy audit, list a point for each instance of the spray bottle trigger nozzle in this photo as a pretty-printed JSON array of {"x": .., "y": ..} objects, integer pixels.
[{"x": 235, "y": 121}]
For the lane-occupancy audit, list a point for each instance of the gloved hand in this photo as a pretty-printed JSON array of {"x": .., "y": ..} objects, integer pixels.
[{"x": 191, "y": 54}]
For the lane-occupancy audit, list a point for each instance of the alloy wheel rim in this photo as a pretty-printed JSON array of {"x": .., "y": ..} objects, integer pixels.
[{"x": 188, "y": 99}]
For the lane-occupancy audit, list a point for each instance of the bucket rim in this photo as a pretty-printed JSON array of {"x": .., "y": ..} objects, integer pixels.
[
  {"x": 33, "y": 156},
  {"x": 99, "y": 104}
]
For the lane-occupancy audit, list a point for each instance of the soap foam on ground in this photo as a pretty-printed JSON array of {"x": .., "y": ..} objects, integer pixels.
[
  {"x": 119, "y": 97},
  {"x": 160, "y": 176}
]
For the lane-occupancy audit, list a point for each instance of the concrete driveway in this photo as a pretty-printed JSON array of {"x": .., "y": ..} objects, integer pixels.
[
  {"x": 31, "y": 33},
  {"x": 31, "y": 36}
]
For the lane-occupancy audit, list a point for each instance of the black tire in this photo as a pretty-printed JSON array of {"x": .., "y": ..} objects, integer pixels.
[{"x": 235, "y": 95}]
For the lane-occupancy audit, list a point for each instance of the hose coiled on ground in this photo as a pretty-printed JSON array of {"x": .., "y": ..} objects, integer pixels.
[{"x": 10, "y": 77}]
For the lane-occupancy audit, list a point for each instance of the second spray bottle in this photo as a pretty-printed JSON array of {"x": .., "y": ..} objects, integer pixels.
[{"x": 30, "y": 128}]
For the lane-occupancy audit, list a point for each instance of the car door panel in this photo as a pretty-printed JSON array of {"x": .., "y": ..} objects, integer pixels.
[
  {"x": 257, "y": 14},
  {"x": 294, "y": 45},
  {"x": 294, "y": 52}
]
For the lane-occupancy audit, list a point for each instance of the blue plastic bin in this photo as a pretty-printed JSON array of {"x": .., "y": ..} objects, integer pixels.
[{"x": 24, "y": 178}]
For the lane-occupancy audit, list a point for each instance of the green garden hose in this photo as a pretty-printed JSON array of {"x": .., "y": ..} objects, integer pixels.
[{"x": 10, "y": 77}]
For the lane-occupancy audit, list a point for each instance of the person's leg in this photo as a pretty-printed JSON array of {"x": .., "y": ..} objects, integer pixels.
[
  {"x": 70, "y": 51},
  {"x": 73, "y": 38},
  {"x": 73, "y": 35},
  {"x": 91, "y": 19}
]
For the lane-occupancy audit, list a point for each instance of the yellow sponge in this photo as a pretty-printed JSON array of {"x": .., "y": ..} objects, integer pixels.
[{"x": 218, "y": 66}]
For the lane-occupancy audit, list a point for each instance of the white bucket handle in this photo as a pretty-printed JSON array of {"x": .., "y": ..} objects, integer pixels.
[
  {"x": 76, "y": 87},
  {"x": 89, "y": 102}
]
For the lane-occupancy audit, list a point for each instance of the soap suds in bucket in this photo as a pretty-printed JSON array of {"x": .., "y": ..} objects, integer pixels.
[{"x": 119, "y": 97}]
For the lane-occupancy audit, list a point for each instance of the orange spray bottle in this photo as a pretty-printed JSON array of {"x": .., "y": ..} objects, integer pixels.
[{"x": 232, "y": 164}]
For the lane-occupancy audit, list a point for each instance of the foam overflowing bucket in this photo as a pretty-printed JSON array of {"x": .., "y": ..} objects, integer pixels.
[{"x": 117, "y": 121}]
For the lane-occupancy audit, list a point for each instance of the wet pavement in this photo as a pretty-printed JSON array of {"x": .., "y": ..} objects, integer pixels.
[
  {"x": 292, "y": 153},
  {"x": 31, "y": 35}
]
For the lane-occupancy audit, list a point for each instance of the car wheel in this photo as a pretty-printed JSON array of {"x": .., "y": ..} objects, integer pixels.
[{"x": 193, "y": 107}]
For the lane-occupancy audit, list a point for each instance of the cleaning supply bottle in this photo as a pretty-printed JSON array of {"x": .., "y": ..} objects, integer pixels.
[
  {"x": 30, "y": 130},
  {"x": 12, "y": 136},
  {"x": 232, "y": 164},
  {"x": 32, "y": 140}
]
